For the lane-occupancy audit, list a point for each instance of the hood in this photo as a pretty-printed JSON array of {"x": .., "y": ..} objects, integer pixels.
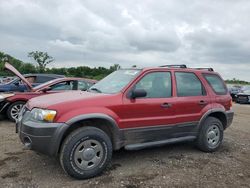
[
  {"x": 46, "y": 101},
  {"x": 18, "y": 74},
  {"x": 247, "y": 92}
]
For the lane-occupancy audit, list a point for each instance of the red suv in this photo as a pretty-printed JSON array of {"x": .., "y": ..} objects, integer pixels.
[{"x": 130, "y": 108}]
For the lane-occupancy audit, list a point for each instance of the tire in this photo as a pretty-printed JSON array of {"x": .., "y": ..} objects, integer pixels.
[
  {"x": 86, "y": 152},
  {"x": 14, "y": 109},
  {"x": 210, "y": 135}
]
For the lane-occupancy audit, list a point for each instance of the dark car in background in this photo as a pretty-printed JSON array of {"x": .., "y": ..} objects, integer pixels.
[
  {"x": 234, "y": 90},
  {"x": 35, "y": 79},
  {"x": 243, "y": 97}
]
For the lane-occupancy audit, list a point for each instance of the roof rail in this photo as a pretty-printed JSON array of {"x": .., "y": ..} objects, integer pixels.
[
  {"x": 174, "y": 66},
  {"x": 208, "y": 69}
]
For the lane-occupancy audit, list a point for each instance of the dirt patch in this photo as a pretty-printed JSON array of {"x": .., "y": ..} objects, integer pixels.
[
  {"x": 12, "y": 174},
  {"x": 3, "y": 161},
  {"x": 14, "y": 153}
]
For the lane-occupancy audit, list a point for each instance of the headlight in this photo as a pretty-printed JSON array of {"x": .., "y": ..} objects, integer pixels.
[
  {"x": 38, "y": 114},
  {"x": 6, "y": 95}
]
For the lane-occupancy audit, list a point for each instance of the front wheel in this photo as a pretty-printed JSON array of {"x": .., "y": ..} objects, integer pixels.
[
  {"x": 14, "y": 110},
  {"x": 86, "y": 152},
  {"x": 211, "y": 135}
]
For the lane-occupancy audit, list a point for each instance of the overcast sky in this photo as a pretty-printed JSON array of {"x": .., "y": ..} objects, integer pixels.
[{"x": 198, "y": 33}]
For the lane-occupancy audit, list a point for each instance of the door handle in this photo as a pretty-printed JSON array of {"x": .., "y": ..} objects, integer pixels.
[
  {"x": 166, "y": 105},
  {"x": 202, "y": 102}
]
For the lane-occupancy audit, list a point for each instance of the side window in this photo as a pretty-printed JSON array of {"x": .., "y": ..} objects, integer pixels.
[
  {"x": 216, "y": 83},
  {"x": 188, "y": 84},
  {"x": 31, "y": 79},
  {"x": 62, "y": 86},
  {"x": 156, "y": 84},
  {"x": 83, "y": 86}
]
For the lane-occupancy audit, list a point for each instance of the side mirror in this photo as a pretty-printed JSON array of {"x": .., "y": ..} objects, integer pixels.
[
  {"x": 46, "y": 89},
  {"x": 137, "y": 93}
]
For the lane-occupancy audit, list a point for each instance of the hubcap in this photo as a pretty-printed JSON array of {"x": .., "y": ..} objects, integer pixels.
[
  {"x": 15, "y": 110},
  {"x": 213, "y": 136},
  {"x": 88, "y": 154}
]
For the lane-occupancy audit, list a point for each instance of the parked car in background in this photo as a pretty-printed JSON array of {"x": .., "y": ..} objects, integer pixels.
[
  {"x": 5, "y": 79},
  {"x": 243, "y": 96},
  {"x": 34, "y": 79},
  {"x": 131, "y": 109},
  {"x": 11, "y": 103},
  {"x": 234, "y": 90}
]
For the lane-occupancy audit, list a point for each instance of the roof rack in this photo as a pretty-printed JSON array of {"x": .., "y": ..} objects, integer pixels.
[
  {"x": 183, "y": 66},
  {"x": 208, "y": 69},
  {"x": 175, "y": 66}
]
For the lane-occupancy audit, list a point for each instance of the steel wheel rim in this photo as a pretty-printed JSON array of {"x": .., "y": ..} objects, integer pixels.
[
  {"x": 88, "y": 154},
  {"x": 213, "y": 136},
  {"x": 15, "y": 110}
]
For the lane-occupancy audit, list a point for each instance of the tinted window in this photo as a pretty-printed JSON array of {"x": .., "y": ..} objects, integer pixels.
[
  {"x": 42, "y": 79},
  {"x": 157, "y": 85},
  {"x": 216, "y": 83},
  {"x": 188, "y": 84}
]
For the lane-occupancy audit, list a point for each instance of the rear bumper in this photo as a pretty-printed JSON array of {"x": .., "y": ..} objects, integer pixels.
[
  {"x": 42, "y": 137},
  {"x": 230, "y": 116}
]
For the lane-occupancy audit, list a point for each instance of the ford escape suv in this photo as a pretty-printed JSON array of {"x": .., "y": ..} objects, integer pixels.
[{"x": 131, "y": 109}]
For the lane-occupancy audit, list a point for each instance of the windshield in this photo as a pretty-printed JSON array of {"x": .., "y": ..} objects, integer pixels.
[
  {"x": 15, "y": 80},
  {"x": 246, "y": 90},
  {"x": 114, "y": 82}
]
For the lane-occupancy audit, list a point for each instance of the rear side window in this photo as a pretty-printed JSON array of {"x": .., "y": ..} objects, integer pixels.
[
  {"x": 216, "y": 83},
  {"x": 188, "y": 84}
]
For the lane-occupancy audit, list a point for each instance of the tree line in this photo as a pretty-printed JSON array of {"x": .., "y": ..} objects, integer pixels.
[
  {"x": 237, "y": 82},
  {"x": 42, "y": 59}
]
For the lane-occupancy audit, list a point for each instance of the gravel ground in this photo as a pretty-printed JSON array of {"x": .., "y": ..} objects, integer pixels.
[{"x": 178, "y": 165}]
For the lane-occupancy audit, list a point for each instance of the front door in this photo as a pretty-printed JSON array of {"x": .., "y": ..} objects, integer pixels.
[{"x": 149, "y": 116}]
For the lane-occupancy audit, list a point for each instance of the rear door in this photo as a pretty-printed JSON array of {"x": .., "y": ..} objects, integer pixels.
[{"x": 192, "y": 99}]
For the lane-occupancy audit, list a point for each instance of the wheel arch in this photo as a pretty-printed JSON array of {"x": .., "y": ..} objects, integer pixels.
[
  {"x": 7, "y": 109},
  {"x": 217, "y": 113},
  {"x": 100, "y": 121}
]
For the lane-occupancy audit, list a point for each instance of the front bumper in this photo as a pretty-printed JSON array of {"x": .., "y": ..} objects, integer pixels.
[
  {"x": 3, "y": 105},
  {"x": 230, "y": 116},
  {"x": 243, "y": 99},
  {"x": 42, "y": 137}
]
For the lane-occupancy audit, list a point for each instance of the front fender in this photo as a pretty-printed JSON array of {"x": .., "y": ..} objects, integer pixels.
[{"x": 73, "y": 117}]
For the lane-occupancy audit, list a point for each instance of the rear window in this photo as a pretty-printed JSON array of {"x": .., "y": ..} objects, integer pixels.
[{"x": 216, "y": 83}]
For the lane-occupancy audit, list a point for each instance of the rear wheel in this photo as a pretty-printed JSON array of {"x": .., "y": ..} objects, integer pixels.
[
  {"x": 86, "y": 152},
  {"x": 211, "y": 135},
  {"x": 14, "y": 110}
]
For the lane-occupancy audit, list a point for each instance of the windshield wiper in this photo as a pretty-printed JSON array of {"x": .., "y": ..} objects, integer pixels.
[{"x": 95, "y": 89}]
